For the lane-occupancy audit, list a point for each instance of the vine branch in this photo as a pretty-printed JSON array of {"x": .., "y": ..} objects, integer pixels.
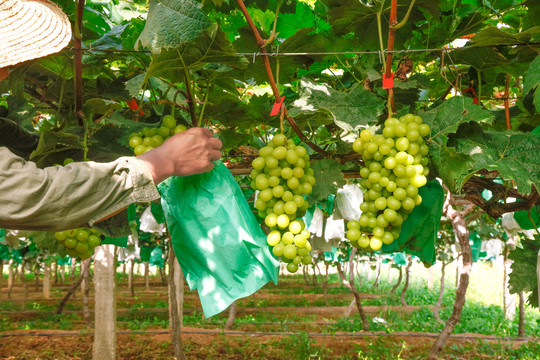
[{"x": 262, "y": 44}]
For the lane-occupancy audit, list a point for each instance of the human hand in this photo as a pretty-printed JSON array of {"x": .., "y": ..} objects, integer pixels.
[{"x": 186, "y": 153}]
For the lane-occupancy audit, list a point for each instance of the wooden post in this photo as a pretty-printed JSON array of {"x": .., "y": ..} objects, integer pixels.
[
  {"x": 147, "y": 275},
  {"x": 173, "y": 308},
  {"x": 47, "y": 281},
  {"x": 105, "y": 304}
]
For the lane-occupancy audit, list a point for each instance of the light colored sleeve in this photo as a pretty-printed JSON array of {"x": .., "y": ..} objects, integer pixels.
[{"x": 66, "y": 197}]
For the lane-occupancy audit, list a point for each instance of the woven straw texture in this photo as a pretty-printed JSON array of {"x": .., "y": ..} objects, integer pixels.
[{"x": 31, "y": 29}]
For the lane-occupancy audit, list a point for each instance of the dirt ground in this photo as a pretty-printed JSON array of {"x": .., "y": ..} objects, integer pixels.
[
  {"x": 208, "y": 342},
  {"x": 214, "y": 344}
]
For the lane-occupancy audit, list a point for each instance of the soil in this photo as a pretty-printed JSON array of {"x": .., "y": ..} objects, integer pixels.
[{"x": 206, "y": 341}]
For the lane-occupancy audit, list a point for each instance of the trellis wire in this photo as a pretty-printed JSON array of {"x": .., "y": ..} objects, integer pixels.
[{"x": 322, "y": 53}]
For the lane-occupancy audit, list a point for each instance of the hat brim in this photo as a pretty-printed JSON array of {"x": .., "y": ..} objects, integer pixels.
[{"x": 31, "y": 29}]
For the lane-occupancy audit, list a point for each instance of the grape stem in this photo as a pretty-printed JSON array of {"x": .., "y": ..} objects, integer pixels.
[{"x": 262, "y": 44}]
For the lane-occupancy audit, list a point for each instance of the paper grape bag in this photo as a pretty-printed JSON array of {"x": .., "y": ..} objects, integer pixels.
[{"x": 218, "y": 242}]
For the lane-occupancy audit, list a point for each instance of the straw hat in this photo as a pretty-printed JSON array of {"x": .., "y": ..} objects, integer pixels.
[{"x": 30, "y": 29}]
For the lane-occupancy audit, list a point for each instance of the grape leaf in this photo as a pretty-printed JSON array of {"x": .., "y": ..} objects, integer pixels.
[
  {"x": 523, "y": 276},
  {"x": 494, "y": 36},
  {"x": 350, "y": 110},
  {"x": 213, "y": 47},
  {"x": 173, "y": 23},
  {"x": 514, "y": 155},
  {"x": 479, "y": 58},
  {"x": 532, "y": 80},
  {"x": 329, "y": 179},
  {"x": 445, "y": 120}
]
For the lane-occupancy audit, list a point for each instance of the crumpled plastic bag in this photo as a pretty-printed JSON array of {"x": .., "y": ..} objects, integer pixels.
[
  {"x": 131, "y": 251},
  {"x": 149, "y": 223},
  {"x": 334, "y": 229},
  {"x": 317, "y": 223},
  {"x": 347, "y": 202},
  {"x": 219, "y": 244}
]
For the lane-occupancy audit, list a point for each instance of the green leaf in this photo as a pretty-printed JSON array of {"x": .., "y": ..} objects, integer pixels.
[
  {"x": 350, "y": 110},
  {"x": 445, "y": 120},
  {"x": 479, "y": 58},
  {"x": 493, "y": 36},
  {"x": 419, "y": 231},
  {"x": 329, "y": 179},
  {"x": 514, "y": 155},
  {"x": 213, "y": 48},
  {"x": 523, "y": 275},
  {"x": 171, "y": 24},
  {"x": 53, "y": 142},
  {"x": 229, "y": 110},
  {"x": 532, "y": 80}
]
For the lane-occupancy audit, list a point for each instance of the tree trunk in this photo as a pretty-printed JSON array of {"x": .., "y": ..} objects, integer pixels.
[
  {"x": 441, "y": 294},
  {"x": 352, "y": 286},
  {"x": 24, "y": 284},
  {"x": 36, "y": 277},
  {"x": 54, "y": 271},
  {"x": 69, "y": 294},
  {"x": 47, "y": 281},
  {"x": 72, "y": 273},
  {"x": 398, "y": 281},
  {"x": 325, "y": 285},
  {"x": 104, "y": 347},
  {"x": 232, "y": 316},
  {"x": 11, "y": 277},
  {"x": 173, "y": 306},
  {"x": 85, "y": 287},
  {"x": 179, "y": 285},
  {"x": 350, "y": 308},
  {"x": 147, "y": 275},
  {"x": 130, "y": 277},
  {"x": 378, "y": 265},
  {"x": 407, "y": 276},
  {"x": 315, "y": 269},
  {"x": 509, "y": 300},
  {"x": 62, "y": 273},
  {"x": 1, "y": 273},
  {"x": 304, "y": 272},
  {"x": 460, "y": 228},
  {"x": 521, "y": 326}
]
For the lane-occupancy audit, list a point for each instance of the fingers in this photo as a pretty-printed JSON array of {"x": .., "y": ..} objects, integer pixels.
[
  {"x": 215, "y": 143},
  {"x": 203, "y": 131},
  {"x": 215, "y": 155}
]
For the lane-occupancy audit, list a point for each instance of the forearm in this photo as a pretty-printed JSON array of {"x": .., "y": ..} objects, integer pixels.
[{"x": 65, "y": 197}]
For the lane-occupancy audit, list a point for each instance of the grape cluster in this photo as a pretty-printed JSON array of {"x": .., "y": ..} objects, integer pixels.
[
  {"x": 283, "y": 176},
  {"x": 79, "y": 243},
  {"x": 395, "y": 168},
  {"x": 150, "y": 138}
]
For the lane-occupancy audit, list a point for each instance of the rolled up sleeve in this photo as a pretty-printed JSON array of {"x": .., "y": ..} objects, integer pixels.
[{"x": 66, "y": 197}]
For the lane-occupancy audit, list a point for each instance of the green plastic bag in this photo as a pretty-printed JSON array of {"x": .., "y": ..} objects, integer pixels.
[
  {"x": 145, "y": 253},
  {"x": 419, "y": 231},
  {"x": 221, "y": 248},
  {"x": 156, "y": 257}
]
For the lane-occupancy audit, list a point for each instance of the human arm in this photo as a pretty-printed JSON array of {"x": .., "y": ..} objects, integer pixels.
[{"x": 81, "y": 194}]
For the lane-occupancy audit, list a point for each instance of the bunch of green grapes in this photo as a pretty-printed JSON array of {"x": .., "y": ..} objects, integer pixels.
[
  {"x": 150, "y": 138},
  {"x": 395, "y": 168},
  {"x": 79, "y": 243},
  {"x": 283, "y": 176}
]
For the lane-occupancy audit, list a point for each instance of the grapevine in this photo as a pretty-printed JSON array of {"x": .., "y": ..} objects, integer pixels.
[
  {"x": 283, "y": 176},
  {"x": 79, "y": 243},
  {"x": 395, "y": 168},
  {"x": 149, "y": 138}
]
